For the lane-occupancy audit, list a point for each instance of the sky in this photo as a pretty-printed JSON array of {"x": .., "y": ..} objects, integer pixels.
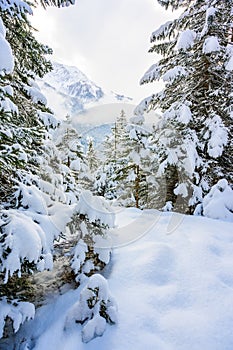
[{"x": 106, "y": 39}]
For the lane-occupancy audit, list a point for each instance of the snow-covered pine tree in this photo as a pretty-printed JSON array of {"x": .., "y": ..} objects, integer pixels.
[
  {"x": 68, "y": 141},
  {"x": 91, "y": 156},
  {"x": 114, "y": 143},
  {"x": 113, "y": 149},
  {"x": 22, "y": 131},
  {"x": 134, "y": 164},
  {"x": 29, "y": 205},
  {"x": 194, "y": 135}
]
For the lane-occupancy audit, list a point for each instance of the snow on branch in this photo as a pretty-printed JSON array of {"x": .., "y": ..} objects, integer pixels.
[
  {"x": 217, "y": 136},
  {"x": 186, "y": 40},
  {"x": 96, "y": 209},
  {"x": 48, "y": 119},
  {"x": 162, "y": 31},
  {"x": 18, "y": 312},
  {"x": 152, "y": 74},
  {"x": 6, "y": 58},
  {"x": 27, "y": 233},
  {"x": 35, "y": 94},
  {"x": 15, "y": 7},
  {"x": 144, "y": 105},
  {"x": 210, "y": 45},
  {"x": 229, "y": 64},
  {"x": 179, "y": 112},
  {"x": 174, "y": 73},
  {"x": 95, "y": 308},
  {"x": 24, "y": 241},
  {"x": 218, "y": 203},
  {"x": 210, "y": 13}
]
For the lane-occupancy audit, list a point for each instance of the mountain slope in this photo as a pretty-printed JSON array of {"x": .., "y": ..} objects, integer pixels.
[{"x": 69, "y": 91}]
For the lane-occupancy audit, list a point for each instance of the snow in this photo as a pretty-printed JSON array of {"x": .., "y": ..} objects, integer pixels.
[
  {"x": 210, "y": 45},
  {"x": 94, "y": 298},
  {"x": 186, "y": 40},
  {"x": 48, "y": 119},
  {"x": 95, "y": 208},
  {"x": 102, "y": 248},
  {"x": 161, "y": 31},
  {"x": 31, "y": 197},
  {"x": 135, "y": 157},
  {"x": 229, "y": 64},
  {"x": 152, "y": 74},
  {"x": 6, "y": 57},
  {"x": 180, "y": 112},
  {"x": 29, "y": 232},
  {"x": 75, "y": 165},
  {"x": 173, "y": 286},
  {"x": 210, "y": 12},
  {"x": 8, "y": 106},
  {"x": 15, "y": 7},
  {"x": 174, "y": 73},
  {"x": 79, "y": 256},
  {"x": 182, "y": 190},
  {"x": 24, "y": 239},
  {"x": 35, "y": 94},
  {"x": 218, "y": 203},
  {"x": 19, "y": 312},
  {"x": 217, "y": 136}
]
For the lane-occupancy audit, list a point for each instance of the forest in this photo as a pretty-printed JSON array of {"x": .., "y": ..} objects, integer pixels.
[{"x": 138, "y": 227}]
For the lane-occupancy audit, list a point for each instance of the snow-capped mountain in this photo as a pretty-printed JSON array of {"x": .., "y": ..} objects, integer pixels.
[{"x": 69, "y": 91}]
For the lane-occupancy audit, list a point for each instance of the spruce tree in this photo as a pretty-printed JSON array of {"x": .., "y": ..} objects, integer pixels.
[
  {"x": 134, "y": 166},
  {"x": 194, "y": 135},
  {"x": 92, "y": 158},
  {"x": 114, "y": 147},
  {"x": 28, "y": 202}
]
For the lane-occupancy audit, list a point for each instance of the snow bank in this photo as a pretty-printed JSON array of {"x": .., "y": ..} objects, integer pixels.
[{"x": 174, "y": 292}]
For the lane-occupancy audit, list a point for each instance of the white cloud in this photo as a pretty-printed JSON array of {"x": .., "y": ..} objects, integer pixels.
[{"x": 107, "y": 39}]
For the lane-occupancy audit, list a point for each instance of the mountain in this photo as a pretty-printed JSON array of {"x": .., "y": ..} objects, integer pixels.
[{"x": 70, "y": 91}]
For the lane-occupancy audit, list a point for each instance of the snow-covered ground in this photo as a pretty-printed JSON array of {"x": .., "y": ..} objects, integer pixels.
[{"x": 172, "y": 278}]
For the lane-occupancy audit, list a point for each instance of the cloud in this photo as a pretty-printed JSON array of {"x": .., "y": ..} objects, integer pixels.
[{"x": 107, "y": 39}]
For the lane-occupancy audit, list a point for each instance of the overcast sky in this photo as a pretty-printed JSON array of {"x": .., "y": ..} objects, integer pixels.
[{"x": 107, "y": 39}]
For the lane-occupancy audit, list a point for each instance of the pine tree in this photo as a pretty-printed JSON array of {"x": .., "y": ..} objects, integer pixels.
[
  {"x": 113, "y": 149},
  {"x": 28, "y": 223},
  {"x": 23, "y": 107},
  {"x": 69, "y": 143},
  {"x": 194, "y": 135},
  {"x": 92, "y": 158},
  {"x": 127, "y": 167},
  {"x": 134, "y": 166},
  {"x": 74, "y": 161}
]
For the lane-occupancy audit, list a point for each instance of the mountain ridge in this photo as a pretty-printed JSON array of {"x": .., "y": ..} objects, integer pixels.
[{"x": 70, "y": 92}]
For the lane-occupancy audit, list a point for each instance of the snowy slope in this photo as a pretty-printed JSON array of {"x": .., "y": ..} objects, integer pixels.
[
  {"x": 69, "y": 91},
  {"x": 172, "y": 278}
]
